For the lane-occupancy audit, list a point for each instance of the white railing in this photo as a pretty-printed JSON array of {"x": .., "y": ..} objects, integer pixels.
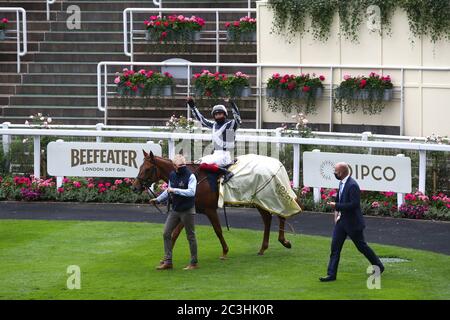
[
  {"x": 279, "y": 132},
  {"x": 102, "y": 69},
  {"x": 49, "y": 2},
  {"x": 129, "y": 11},
  {"x": 158, "y": 3},
  {"x": 19, "y": 12},
  {"x": 422, "y": 148}
]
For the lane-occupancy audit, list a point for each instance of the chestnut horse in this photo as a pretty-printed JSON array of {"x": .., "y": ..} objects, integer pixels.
[{"x": 156, "y": 168}]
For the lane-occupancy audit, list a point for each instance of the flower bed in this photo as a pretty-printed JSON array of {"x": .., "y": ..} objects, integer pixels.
[
  {"x": 416, "y": 205},
  {"x": 3, "y": 24},
  {"x": 214, "y": 85},
  {"x": 370, "y": 93},
  {"x": 243, "y": 30},
  {"x": 21, "y": 188},
  {"x": 177, "y": 28},
  {"x": 298, "y": 91},
  {"x": 144, "y": 83}
]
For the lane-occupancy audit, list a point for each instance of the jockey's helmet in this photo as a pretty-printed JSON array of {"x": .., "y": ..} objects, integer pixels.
[{"x": 219, "y": 108}]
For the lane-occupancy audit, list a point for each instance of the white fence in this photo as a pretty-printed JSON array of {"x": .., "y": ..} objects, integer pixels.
[
  {"x": 172, "y": 137},
  {"x": 129, "y": 11},
  {"x": 21, "y": 19},
  {"x": 102, "y": 88},
  {"x": 49, "y": 2}
]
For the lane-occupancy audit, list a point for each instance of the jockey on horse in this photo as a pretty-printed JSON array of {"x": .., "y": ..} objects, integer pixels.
[{"x": 223, "y": 135}]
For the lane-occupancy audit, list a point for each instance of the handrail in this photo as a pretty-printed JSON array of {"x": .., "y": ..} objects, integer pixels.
[
  {"x": 217, "y": 11},
  {"x": 158, "y": 3},
  {"x": 18, "y": 10},
  {"x": 49, "y": 2},
  {"x": 259, "y": 83}
]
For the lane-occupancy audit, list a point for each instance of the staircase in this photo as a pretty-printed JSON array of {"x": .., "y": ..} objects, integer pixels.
[{"x": 59, "y": 76}]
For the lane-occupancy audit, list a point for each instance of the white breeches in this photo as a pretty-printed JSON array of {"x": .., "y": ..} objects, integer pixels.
[{"x": 219, "y": 157}]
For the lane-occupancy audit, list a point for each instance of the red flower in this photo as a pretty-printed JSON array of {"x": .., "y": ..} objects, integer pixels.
[
  {"x": 60, "y": 190},
  {"x": 157, "y": 23},
  {"x": 306, "y": 89},
  {"x": 236, "y": 23},
  {"x": 321, "y": 78},
  {"x": 227, "y": 25},
  {"x": 166, "y": 24},
  {"x": 163, "y": 34},
  {"x": 291, "y": 86},
  {"x": 362, "y": 83}
]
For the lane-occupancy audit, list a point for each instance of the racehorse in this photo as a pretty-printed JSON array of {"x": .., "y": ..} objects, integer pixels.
[{"x": 155, "y": 168}]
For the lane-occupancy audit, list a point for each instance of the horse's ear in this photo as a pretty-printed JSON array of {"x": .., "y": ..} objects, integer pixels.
[
  {"x": 181, "y": 152},
  {"x": 145, "y": 153},
  {"x": 152, "y": 156}
]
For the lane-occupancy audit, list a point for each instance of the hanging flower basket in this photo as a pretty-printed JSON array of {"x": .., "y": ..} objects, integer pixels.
[
  {"x": 290, "y": 91},
  {"x": 173, "y": 28},
  {"x": 243, "y": 30},
  {"x": 237, "y": 85},
  {"x": 144, "y": 83},
  {"x": 3, "y": 24},
  {"x": 209, "y": 85},
  {"x": 368, "y": 93}
]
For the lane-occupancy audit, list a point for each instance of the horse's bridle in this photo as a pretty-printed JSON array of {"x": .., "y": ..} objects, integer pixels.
[{"x": 146, "y": 182}]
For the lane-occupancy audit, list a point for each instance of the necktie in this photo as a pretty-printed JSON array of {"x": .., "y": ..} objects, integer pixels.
[{"x": 340, "y": 190}]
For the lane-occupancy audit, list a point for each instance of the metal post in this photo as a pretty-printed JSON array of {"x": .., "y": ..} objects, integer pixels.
[
  {"x": 217, "y": 40},
  {"x": 171, "y": 148},
  {"x": 6, "y": 138},
  {"x": 99, "y": 127},
  {"x": 59, "y": 180},
  {"x": 402, "y": 103},
  {"x": 131, "y": 40},
  {"x": 400, "y": 196},
  {"x": 259, "y": 98},
  {"x": 316, "y": 191},
  {"x": 188, "y": 90},
  {"x": 18, "y": 40},
  {"x": 37, "y": 156},
  {"x": 422, "y": 170},
  {"x": 365, "y": 137},
  {"x": 105, "y": 88},
  {"x": 296, "y": 169},
  {"x": 331, "y": 99}
]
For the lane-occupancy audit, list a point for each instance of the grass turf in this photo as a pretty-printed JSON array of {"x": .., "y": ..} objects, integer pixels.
[{"x": 117, "y": 261}]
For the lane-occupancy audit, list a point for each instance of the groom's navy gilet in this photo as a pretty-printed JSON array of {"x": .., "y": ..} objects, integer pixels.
[{"x": 180, "y": 180}]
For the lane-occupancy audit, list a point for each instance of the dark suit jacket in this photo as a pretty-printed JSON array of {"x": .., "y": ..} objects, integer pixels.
[{"x": 350, "y": 207}]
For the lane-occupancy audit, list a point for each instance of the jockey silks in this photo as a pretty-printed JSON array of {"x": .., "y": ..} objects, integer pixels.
[
  {"x": 223, "y": 132},
  {"x": 180, "y": 179}
]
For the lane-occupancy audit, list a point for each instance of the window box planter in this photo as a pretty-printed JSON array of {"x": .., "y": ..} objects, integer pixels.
[
  {"x": 243, "y": 30},
  {"x": 2, "y": 35}
]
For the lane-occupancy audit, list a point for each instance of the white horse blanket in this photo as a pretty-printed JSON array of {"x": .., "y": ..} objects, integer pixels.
[{"x": 262, "y": 182}]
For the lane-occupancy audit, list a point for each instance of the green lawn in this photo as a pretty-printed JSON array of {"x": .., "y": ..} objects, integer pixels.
[{"x": 117, "y": 261}]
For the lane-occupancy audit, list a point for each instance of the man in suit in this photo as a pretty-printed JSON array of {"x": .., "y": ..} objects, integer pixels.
[{"x": 349, "y": 221}]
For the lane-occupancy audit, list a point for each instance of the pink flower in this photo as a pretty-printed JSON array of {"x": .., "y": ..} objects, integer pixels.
[
  {"x": 117, "y": 80},
  {"x": 227, "y": 25},
  {"x": 100, "y": 185},
  {"x": 77, "y": 184},
  {"x": 153, "y": 18},
  {"x": 117, "y": 182},
  {"x": 375, "y": 204},
  {"x": 114, "y": 188},
  {"x": 236, "y": 23},
  {"x": 90, "y": 186},
  {"x": 5, "y": 20},
  {"x": 101, "y": 190},
  {"x": 107, "y": 184},
  {"x": 276, "y": 76},
  {"x": 347, "y": 77},
  {"x": 66, "y": 180},
  {"x": 321, "y": 78},
  {"x": 60, "y": 190}
]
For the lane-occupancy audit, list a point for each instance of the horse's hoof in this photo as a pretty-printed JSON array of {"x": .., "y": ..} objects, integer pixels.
[
  {"x": 260, "y": 253},
  {"x": 286, "y": 243},
  {"x": 223, "y": 258}
]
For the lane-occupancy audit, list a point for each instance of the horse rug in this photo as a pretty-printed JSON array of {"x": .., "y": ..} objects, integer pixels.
[{"x": 262, "y": 182}]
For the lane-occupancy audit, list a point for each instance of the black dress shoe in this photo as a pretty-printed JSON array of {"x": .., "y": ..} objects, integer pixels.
[{"x": 327, "y": 279}]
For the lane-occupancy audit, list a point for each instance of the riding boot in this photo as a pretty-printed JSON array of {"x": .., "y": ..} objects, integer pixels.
[{"x": 227, "y": 175}]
